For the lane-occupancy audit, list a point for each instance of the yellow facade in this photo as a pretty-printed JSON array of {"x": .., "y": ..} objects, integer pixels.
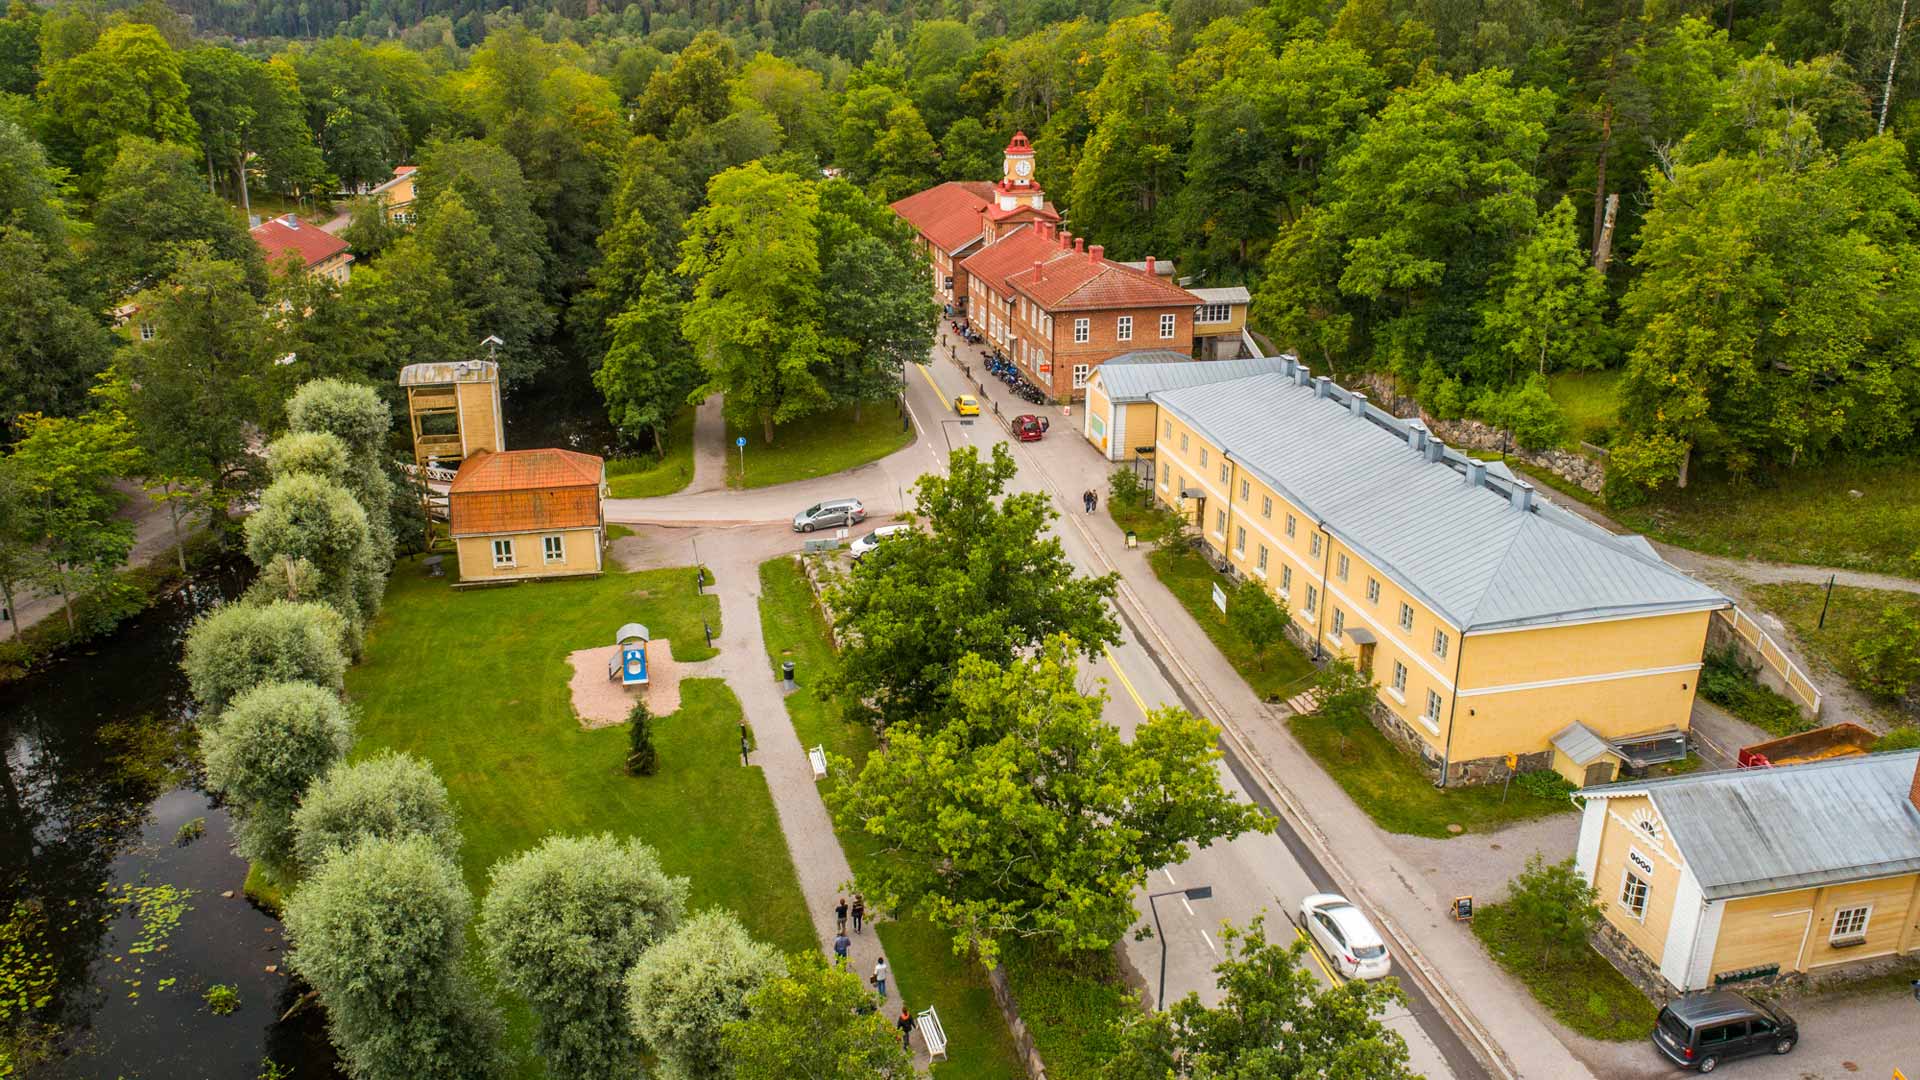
[
  {"x": 398, "y": 196},
  {"x": 527, "y": 555},
  {"x": 474, "y": 409},
  {"x": 1796, "y": 929},
  {"x": 1624, "y": 837},
  {"x": 1468, "y": 697},
  {"x": 335, "y": 268}
]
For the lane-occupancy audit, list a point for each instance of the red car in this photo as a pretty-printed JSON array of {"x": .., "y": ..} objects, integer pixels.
[{"x": 1029, "y": 428}]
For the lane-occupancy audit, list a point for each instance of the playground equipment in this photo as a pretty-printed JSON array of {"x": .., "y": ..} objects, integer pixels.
[{"x": 629, "y": 662}]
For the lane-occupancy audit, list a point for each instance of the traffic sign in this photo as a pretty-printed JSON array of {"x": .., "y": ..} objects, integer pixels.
[{"x": 740, "y": 442}]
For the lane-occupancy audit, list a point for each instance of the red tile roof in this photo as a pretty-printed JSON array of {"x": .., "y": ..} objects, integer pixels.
[
  {"x": 947, "y": 215},
  {"x": 1076, "y": 281},
  {"x": 313, "y": 245},
  {"x": 524, "y": 491},
  {"x": 1014, "y": 251}
]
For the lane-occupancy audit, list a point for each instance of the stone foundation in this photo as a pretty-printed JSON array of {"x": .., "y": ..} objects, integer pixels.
[
  {"x": 1588, "y": 470},
  {"x": 1631, "y": 963}
]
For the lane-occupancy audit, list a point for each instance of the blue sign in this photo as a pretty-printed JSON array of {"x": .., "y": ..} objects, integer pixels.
[{"x": 741, "y": 442}]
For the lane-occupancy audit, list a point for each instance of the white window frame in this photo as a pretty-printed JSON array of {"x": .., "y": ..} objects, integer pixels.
[
  {"x": 147, "y": 332},
  {"x": 503, "y": 553},
  {"x": 1203, "y": 457},
  {"x": 1183, "y": 443},
  {"x": 1339, "y": 624},
  {"x": 1342, "y": 566},
  {"x": 1440, "y": 644},
  {"x": 1266, "y": 506},
  {"x": 1169, "y": 323},
  {"x": 1082, "y": 331},
  {"x": 553, "y": 549},
  {"x": 1261, "y": 565},
  {"x": 1286, "y": 581},
  {"x": 1226, "y": 473},
  {"x": 1123, "y": 328},
  {"x": 1434, "y": 705},
  {"x": 1643, "y": 898},
  {"x": 1290, "y": 526},
  {"x": 1313, "y": 546},
  {"x": 1213, "y": 313},
  {"x": 1220, "y": 524},
  {"x": 1373, "y": 590},
  {"x": 1845, "y": 915},
  {"x": 1080, "y": 374},
  {"x": 1406, "y": 616},
  {"x": 1246, "y": 490},
  {"x": 1313, "y": 599},
  {"x": 1240, "y": 540},
  {"x": 1166, "y": 471},
  {"x": 1398, "y": 688}
]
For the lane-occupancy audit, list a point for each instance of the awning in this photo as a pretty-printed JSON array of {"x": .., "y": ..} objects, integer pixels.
[{"x": 1359, "y": 635}]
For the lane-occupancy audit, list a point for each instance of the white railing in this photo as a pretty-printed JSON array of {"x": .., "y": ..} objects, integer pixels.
[{"x": 1799, "y": 687}]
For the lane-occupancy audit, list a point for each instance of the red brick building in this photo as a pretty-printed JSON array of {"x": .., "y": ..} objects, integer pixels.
[{"x": 1038, "y": 294}]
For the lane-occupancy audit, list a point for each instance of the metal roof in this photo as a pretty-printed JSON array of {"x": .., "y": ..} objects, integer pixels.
[
  {"x": 1751, "y": 831},
  {"x": 1475, "y": 547},
  {"x": 1163, "y": 369},
  {"x": 633, "y": 631},
  {"x": 1230, "y": 294},
  {"x": 1581, "y": 745},
  {"x": 441, "y": 374}
]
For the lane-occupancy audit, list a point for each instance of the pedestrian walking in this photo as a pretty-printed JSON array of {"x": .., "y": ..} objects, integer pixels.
[
  {"x": 879, "y": 979},
  {"x": 743, "y": 748},
  {"x": 841, "y": 943},
  {"x": 1085, "y": 506},
  {"x": 1093, "y": 500},
  {"x": 859, "y": 911},
  {"x": 840, "y": 916},
  {"x": 905, "y": 1024}
]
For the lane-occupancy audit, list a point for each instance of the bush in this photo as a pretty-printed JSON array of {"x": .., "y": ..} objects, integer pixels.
[
  {"x": 1545, "y": 784},
  {"x": 1905, "y": 737},
  {"x": 686, "y": 989},
  {"x": 236, "y": 648},
  {"x": 1532, "y": 415},
  {"x": 642, "y": 759},
  {"x": 267, "y": 747},
  {"x": 1889, "y": 656},
  {"x": 388, "y": 796},
  {"x": 1728, "y": 681}
]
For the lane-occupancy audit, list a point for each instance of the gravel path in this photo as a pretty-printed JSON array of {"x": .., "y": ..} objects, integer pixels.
[{"x": 709, "y": 447}]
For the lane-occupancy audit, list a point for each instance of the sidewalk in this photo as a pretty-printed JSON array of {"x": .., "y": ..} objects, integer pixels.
[
  {"x": 152, "y": 539},
  {"x": 709, "y": 447}
]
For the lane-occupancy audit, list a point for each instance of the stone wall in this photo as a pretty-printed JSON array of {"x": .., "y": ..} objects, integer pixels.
[
  {"x": 1016, "y": 1027},
  {"x": 1589, "y": 470}
]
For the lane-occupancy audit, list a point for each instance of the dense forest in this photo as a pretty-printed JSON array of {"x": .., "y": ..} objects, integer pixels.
[{"x": 1715, "y": 202}]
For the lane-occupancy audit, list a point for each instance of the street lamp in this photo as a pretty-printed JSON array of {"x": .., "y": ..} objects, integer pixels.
[{"x": 1198, "y": 892}]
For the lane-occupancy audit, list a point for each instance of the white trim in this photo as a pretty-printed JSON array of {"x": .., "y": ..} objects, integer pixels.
[
  {"x": 1586, "y": 856},
  {"x": 1682, "y": 609},
  {"x": 1706, "y": 942},
  {"x": 1833, "y": 932},
  {"x": 1634, "y": 830},
  {"x": 1676, "y": 955},
  {"x": 549, "y": 544},
  {"x": 1646, "y": 895},
  {"x": 1572, "y": 680},
  {"x": 483, "y": 533},
  {"x": 1799, "y": 958}
]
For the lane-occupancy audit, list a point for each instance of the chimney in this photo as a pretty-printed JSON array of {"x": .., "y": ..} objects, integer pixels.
[
  {"x": 291, "y": 221},
  {"x": 1286, "y": 367},
  {"x": 1322, "y": 387},
  {"x": 1417, "y": 438},
  {"x": 1302, "y": 374},
  {"x": 1079, "y": 243},
  {"x": 1037, "y": 264},
  {"x": 1522, "y": 496},
  {"x": 1476, "y": 473},
  {"x": 1149, "y": 266},
  {"x": 1358, "y": 403},
  {"x": 1096, "y": 252},
  {"x": 1436, "y": 450}
]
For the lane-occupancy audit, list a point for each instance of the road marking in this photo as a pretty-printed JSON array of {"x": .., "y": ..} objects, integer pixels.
[
  {"x": 1184, "y": 904},
  {"x": 937, "y": 392},
  {"x": 1122, "y": 676},
  {"x": 1314, "y": 950},
  {"x": 1209, "y": 941},
  {"x": 1169, "y": 874}
]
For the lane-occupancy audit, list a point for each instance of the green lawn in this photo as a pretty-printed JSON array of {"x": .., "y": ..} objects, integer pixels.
[
  {"x": 476, "y": 683},
  {"x": 1074, "y": 1006},
  {"x": 1186, "y": 574},
  {"x": 646, "y": 476},
  {"x": 1853, "y": 615},
  {"x": 1591, "y": 402},
  {"x": 818, "y": 445},
  {"x": 1397, "y": 794},
  {"x": 1582, "y": 990},
  {"x": 922, "y": 957}
]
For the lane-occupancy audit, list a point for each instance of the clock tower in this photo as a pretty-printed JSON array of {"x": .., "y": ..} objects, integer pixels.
[{"x": 1017, "y": 187}]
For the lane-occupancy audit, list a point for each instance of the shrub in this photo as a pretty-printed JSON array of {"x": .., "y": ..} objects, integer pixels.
[
  {"x": 1553, "y": 908},
  {"x": 642, "y": 759},
  {"x": 1545, "y": 784},
  {"x": 1889, "y": 656},
  {"x": 236, "y": 648},
  {"x": 1905, "y": 737},
  {"x": 267, "y": 747},
  {"x": 388, "y": 796},
  {"x": 1530, "y": 412},
  {"x": 686, "y": 989},
  {"x": 1728, "y": 681}
]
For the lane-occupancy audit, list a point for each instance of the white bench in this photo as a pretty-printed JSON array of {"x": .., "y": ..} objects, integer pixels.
[
  {"x": 933, "y": 1034},
  {"x": 817, "y": 757}
]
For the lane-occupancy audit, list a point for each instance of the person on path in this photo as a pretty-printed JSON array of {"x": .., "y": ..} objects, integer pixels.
[
  {"x": 841, "y": 943},
  {"x": 905, "y": 1024},
  {"x": 859, "y": 912},
  {"x": 1086, "y": 500},
  {"x": 1093, "y": 500},
  {"x": 840, "y": 916},
  {"x": 879, "y": 979}
]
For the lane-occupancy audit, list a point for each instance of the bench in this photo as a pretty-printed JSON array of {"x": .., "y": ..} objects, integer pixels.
[
  {"x": 817, "y": 757},
  {"x": 933, "y": 1034}
]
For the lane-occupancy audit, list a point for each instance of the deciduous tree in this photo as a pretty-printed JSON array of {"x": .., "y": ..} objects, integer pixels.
[
  {"x": 388, "y": 796},
  {"x": 66, "y": 468},
  {"x": 51, "y": 348},
  {"x": 234, "y": 648},
  {"x": 686, "y": 989},
  {"x": 151, "y": 203},
  {"x": 1549, "y": 314},
  {"x": 307, "y": 517},
  {"x": 818, "y": 1022},
  {"x": 127, "y": 83},
  {"x": 1256, "y": 616},
  {"x": 261, "y": 754}
]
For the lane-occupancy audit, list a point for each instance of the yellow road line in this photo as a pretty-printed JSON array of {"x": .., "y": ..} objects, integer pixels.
[
  {"x": 937, "y": 392},
  {"x": 1314, "y": 951},
  {"x": 1124, "y": 681}
]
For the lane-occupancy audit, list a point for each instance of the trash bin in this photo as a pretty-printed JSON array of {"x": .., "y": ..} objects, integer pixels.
[{"x": 786, "y": 673}]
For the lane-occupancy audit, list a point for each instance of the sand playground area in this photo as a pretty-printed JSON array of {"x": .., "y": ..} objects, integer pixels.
[{"x": 602, "y": 702}]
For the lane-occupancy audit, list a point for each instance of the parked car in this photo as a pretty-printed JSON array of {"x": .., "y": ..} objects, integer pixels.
[
  {"x": 965, "y": 405},
  {"x": 1352, "y": 944},
  {"x": 1702, "y": 1030},
  {"x": 1029, "y": 428},
  {"x": 872, "y": 540},
  {"x": 831, "y": 512}
]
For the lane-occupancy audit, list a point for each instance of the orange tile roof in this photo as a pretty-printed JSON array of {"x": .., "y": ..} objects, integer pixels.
[
  {"x": 1012, "y": 252},
  {"x": 525, "y": 490},
  {"x": 314, "y": 245},
  {"x": 948, "y": 215},
  {"x": 1076, "y": 281}
]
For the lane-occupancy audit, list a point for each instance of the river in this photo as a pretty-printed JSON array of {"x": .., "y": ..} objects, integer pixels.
[{"x": 134, "y": 921}]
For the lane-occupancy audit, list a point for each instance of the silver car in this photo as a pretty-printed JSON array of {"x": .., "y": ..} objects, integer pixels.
[
  {"x": 829, "y": 513},
  {"x": 859, "y": 548},
  {"x": 1345, "y": 935}
]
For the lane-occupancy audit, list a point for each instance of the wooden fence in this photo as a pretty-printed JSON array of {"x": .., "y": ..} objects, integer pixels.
[{"x": 1790, "y": 678}]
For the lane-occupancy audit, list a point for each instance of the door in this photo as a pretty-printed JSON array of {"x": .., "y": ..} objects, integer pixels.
[
  {"x": 1330, "y": 938},
  {"x": 1723, "y": 1041},
  {"x": 1600, "y": 772},
  {"x": 1366, "y": 658}
]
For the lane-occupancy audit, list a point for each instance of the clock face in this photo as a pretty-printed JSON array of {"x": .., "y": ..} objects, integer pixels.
[{"x": 1023, "y": 166}]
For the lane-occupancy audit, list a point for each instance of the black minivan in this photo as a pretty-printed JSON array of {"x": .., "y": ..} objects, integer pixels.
[{"x": 1702, "y": 1030}]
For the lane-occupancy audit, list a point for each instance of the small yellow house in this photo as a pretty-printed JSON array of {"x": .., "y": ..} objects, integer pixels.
[
  {"x": 523, "y": 514},
  {"x": 1723, "y": 877},
  {"x": 288, "y": 242},
  {"x": 1489, "y": 620},
  {"x": 1220, "y": 323},
  {"x": 397, "y": 195},
  {"x": 1120, "y": 415}
]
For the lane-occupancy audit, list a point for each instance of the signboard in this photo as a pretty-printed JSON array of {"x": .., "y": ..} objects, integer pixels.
[
  {"x": 1513, "y": 762},
  {"x": 1462, "y": 908},
  {"x": 1219, "y": 598},
  {"x": 741, "y": 442}
]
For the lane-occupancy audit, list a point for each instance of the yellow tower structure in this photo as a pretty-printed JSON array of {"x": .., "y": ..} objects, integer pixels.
[{"x": 454, "y": 409}]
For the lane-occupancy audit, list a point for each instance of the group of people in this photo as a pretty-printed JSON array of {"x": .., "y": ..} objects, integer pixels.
[
  {"x": 1090, "y": 499},
  {"x": 857, "y": 910}
]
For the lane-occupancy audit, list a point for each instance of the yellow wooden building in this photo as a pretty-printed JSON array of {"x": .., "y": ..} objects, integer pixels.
[
  {"x": 1120, "y": 415},
  {"x": 520, "y": 514},
  {"x": 1490, "y": 620},
  {"x": 397, "y": 195},
  {"x": 1723, "y": 877},
  {"x": 453, "y": 410}
]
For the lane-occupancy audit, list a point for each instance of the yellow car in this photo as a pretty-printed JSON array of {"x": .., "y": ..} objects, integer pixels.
[{"x": 964, "y": 405}]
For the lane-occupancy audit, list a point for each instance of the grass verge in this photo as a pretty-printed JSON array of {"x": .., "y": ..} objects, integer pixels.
[
  {"x": 924, "y": 966},
  {"x": 1853, "y": 616},
  {"x": 1580, "y": 988},
  {"x": 818, "y": 445},
  {"x": 1397, "y": 795},
  {"x": 1186, "y": 574},
  {"x": 646, "y": 476},
  {"x": 1073, "y": 1004}
]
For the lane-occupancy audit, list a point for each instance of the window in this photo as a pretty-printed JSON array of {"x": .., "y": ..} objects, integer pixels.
[
  {"x": 1167, "y": 324},
  {"x": 1212, "y": 313},
  {"x": 1169, "y": 429},
  {"x": 146, "y": 331},
  {"x": 1289, "y": 526},
  {"x": 1286, "y": 580},
  {"x": 1263, "y": 558},
  {"x": 553, "y": 549},
  {"x": 1203, "y": 457},
  {"x": 1080, "y": 373},
  {"x": 1266, "y": 506},
  {"x": 1314, "y": 544},
  {"x": 1440, "y": 644},
  {"x": 1240, "y": 540},
  {"x": 1373, "y": 590},
  {"x": 1123, "y": 328},
  {"x": 1183, "y": 443},
  {"x": 1406, "y": 616},
  {"x": 502, "y": 553},
  {"x": 1400, "y": 680},
  {"x": 1220, "y": 524},
  {"x": 1246, "y": 491},
  {"x": 1313, "y": 599},
  {"x": 1850, "y": 924},
  {"x": 1226, "y": 474},
  {"x": 1339, "y": 623},
  {"x": 1433, "y": 707},
  {"x": 1046, "y": 326},
  {"x": 1633, "y": 895},
  {"x": 1082, "y": 331},
  {"x": 1166, "y": 470},
  {"x": 1342, "y": 567}
]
